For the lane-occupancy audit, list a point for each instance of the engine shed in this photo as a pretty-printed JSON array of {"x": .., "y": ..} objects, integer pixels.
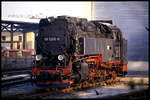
[{"x": 10, "y": 28}]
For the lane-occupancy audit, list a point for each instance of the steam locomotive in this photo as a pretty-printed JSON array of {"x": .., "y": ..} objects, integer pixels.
[{"x": 72, "y": 50}]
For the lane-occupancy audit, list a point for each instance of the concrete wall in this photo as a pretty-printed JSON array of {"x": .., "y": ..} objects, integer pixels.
[{"x": 16, "y": 59}]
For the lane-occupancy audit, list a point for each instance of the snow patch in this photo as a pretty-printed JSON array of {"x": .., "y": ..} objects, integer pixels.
[{"x": 137, "y": 66}]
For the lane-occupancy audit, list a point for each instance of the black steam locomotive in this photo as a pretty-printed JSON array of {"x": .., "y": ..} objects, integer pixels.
[{"x": 72, "y": 50}]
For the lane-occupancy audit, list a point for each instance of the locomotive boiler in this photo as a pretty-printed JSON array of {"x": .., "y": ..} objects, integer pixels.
[{"x": 72, "y": 50}]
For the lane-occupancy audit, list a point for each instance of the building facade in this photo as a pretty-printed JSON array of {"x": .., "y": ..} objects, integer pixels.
[{"x": 18, "y": 40}]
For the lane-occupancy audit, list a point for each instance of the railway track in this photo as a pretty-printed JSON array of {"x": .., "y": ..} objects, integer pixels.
[
  {"x": 15, "y": 72},
  {"x": 12, "y": 80},
  {"x": 44, "y": 92}
]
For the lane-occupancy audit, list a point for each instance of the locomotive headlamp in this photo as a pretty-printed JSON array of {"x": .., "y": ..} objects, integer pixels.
[
  {"x": 38, "y": 57},
  {"x": 60, "y": 57}
]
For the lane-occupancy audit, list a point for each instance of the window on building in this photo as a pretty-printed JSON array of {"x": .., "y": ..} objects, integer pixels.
[
  {"x": 20, "y": 38},
  {"x": 3, "y": 37}
]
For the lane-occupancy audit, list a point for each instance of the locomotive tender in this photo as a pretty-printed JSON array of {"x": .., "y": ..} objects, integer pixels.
[{"x": 72, "y": 50}]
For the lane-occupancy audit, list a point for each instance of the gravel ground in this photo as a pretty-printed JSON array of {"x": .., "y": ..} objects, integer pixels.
[
  {"x": 95, "y": 92},
  {"x": 105, "y": 91}
]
